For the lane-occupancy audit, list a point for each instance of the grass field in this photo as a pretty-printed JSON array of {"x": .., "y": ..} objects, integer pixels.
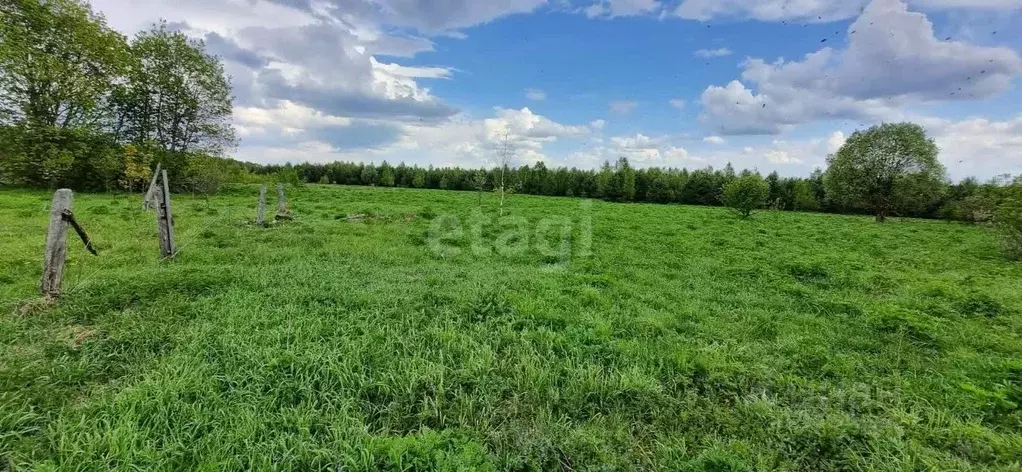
[{"x": 683, "y": 339}]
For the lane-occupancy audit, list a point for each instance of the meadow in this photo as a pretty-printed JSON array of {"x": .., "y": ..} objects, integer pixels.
[{"x": 382, "y": 330}]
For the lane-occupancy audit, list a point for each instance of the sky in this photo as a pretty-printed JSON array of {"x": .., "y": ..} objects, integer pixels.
[{"x": 772, "y": 85}]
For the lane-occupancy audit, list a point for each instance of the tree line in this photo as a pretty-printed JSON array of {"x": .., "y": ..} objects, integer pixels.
[
  {"x": 968, "y": 200},
  {"x": 82, "y": 106}
]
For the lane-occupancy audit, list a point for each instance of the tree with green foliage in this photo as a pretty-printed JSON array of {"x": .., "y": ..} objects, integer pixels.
[
  {"x": 805, "y": 198},
  {"x": 177, "y": 95},
  {"x": 386, "y": 175},
  {"x": 479, "y": 183},
  {"x": 745, "y": 193},
  {"x": 205, "y": 175},
  {"x": 624, "y": 181},
  {"x": 136, "y": 168},
  {"x": 58, "y": 62},
  {"x": 1009, "y": 221},
  {"x": 368, "y": 175},
  {"x": 888, "y": 168},
  {"x": 419, "y": 179}
]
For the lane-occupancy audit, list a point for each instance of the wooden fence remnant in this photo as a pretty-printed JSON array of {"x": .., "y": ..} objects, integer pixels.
[
  {"x": 147, "y": 200},
  {"x": 164, "y": 218},
  {"x": 283, "y": 213},
  {"x": 69, "y": 217},
  {"x": 55, "y": 254},
  {"x": 262, "y": 205},
  {"x": 56, "y": 244}
]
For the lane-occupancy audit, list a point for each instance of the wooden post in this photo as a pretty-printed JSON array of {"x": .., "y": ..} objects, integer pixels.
[
  {"x": 262, "y": 205},
  {"x": 56, "y": 244},
  {"x": 148, "y": 198},
  {"x": 164, "y": 218},
  {"x": 281, "y": 202}
]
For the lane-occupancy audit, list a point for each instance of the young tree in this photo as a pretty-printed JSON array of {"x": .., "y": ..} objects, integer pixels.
[
  {"x": 887, "y": 168},
  {"x": 746, "y": 193},
  {"x": 177, "y": 95},
  {"x": 505, "y": 158},
  {"x": 479, "y": 183}
]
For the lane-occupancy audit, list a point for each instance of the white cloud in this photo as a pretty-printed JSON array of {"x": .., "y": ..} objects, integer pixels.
[
  {"x": 623, "y": 107},
  {"x": 815, "y": 11},
  {"x": 641, "y": 150},
  {"x": 618, "y": 8},
  {"x": 535, "y": 95},
  {"x": 979, "y": 146},
  {"x": 778, "y": 156},
  {"x": 397, "y": 70},
  {"x": 835, "y": 141},
  {"x": 285, "y": 115},
  {"x": 714, "y": 140},
  {"x": 708, "y": 53},
  {"x": 865, "y": 81},
  {"x": 678, "y": 103}
]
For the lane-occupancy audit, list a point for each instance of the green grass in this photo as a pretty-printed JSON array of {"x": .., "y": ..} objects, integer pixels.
[{"x": 687, "y": 340}]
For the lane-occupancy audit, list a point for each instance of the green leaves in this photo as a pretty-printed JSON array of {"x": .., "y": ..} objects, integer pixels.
[
  {"x": 745, "y": 194},
  {"x": 888, "y": 168},
  {"x": 176, "y": 95}
]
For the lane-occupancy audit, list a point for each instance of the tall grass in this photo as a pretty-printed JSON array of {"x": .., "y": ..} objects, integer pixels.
[{"x": 687, "y": 340}]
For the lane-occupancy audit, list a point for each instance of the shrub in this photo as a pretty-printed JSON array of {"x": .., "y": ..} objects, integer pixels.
[
  {"x": 745, "y": 194},
  {"x": 1009, "y": 223}
]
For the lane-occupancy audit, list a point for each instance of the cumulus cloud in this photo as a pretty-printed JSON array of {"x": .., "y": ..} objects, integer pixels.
[
  {"x": 317, "y": 67},
  {"x": 867, "y": 80},
  {"x": 815, "y": 11},
  {"x": 708, "y": 53},
  {"x": 714, "y": 140},
  {"x": 978, "y": 146},
  {"x": 617, "y": 8},
  {"x": 623, "y": 107},
  {"x": 677, "y": 103}
]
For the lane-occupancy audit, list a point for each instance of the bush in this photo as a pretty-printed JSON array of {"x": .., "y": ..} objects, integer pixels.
[
  {"x": 745, "y": 194},
  {"x": 1009, "y": 223}
]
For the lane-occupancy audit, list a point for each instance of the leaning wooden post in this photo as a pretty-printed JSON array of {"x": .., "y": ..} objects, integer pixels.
[
  {"x": 164, "y": 218},
  {"x": 56, "y": 244},
  {"x": 262, "y": 205},
  {"x": 148, "y": 198}
]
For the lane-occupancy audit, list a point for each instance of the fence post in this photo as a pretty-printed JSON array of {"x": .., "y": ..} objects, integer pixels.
[
  {"x": 148, "y": 198},
  {"x": 281, "y": 202},
  {"x": 164, "y": 218},
  {"x": 56, "y": 244},
  {"x": 282, "y": 212},
  {"x": 262, "y": 205}
]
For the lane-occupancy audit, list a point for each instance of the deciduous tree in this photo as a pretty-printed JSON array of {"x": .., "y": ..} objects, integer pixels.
[{"x": 888, "y": 168}]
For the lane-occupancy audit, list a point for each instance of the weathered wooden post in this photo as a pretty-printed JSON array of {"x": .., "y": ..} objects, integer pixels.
[
  {"x": 282, "y": 212},
  {"x": 281, "y": 202},
  {"x": 56, "y": 244},
  {"x": 164, "y": 218},
  {"x": 148, "y": 198}
]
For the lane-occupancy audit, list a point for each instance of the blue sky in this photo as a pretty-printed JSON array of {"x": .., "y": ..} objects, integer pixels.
[{"x": 765, "y": 84}]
